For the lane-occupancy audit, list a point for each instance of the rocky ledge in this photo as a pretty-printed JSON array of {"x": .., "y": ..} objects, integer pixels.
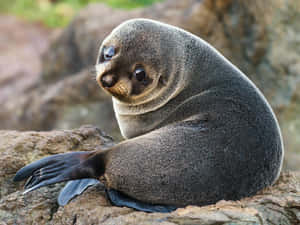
[{"x": 279, "y": 204}]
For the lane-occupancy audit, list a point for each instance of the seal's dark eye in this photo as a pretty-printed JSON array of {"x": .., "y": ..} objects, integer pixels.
[
  {"x": 139, "y": 74},
  {"x": 108, "y": 53}
]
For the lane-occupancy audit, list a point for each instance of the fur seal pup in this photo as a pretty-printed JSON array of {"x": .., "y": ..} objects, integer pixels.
[{"x": 197, "y": 129}]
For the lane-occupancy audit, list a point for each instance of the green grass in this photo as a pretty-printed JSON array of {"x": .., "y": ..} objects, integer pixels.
[{"x": 58, "y": 13}]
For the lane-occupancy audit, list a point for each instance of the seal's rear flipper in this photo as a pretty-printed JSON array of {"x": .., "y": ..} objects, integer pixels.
[
  {"x": 74, "y": 188},
  {"x": 121, "y": 200},
  {"x": 59, "y": 168}
]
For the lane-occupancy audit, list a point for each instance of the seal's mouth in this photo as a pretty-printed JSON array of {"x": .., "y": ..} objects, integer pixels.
[{"x": 120, "y": 88}]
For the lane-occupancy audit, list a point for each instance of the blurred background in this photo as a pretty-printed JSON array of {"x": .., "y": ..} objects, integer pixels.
[{"x": 48, "y": 49}]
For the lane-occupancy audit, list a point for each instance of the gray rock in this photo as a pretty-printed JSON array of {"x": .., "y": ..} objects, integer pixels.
[{"x": 279, "y": 204}]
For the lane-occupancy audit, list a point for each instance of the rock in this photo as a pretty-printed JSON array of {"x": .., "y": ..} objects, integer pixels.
[
  {"x": 20, "y": 148},
  {"x": 260, "y": 37},
  {"x": 21, "y": 47},
  {"x": 279, "y": 204},
  {"x": 66, "y": 104}
]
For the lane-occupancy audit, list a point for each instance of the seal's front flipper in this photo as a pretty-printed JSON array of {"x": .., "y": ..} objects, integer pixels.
[
  {"x": 74, "y": 188},
  {"x": 58, "y": 168},
  {"x": 121, "y": 200}
]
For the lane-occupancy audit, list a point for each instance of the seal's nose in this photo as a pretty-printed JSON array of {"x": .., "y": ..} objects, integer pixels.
[{"x": 108, "y": 80}]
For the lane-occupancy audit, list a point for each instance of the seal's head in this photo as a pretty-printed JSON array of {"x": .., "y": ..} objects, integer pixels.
[
  {"x": 123, "y": 72},
  {"x": 151, "y": 68},
  {"x": 136, "y": 66}
]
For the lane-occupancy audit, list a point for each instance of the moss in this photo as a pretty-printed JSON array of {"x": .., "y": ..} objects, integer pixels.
[{"x": 58, "y": 13}]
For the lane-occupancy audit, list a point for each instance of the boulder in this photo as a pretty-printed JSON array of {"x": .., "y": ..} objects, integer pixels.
[
  {"x": 68, "y": 103},
  {"x": 279, "y": 204}
]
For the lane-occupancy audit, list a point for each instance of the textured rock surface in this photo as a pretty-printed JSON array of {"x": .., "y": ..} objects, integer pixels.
[
  {"x": 279, "y": 204},
  {"x": 68, "y": 103},
  {"x": 19, "y": 148},
  {"x": 260, "y": 37}
]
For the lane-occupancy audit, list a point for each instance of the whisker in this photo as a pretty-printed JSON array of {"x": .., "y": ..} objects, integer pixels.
[
  {"x": 92, "y": 71},
  {"x": 94, "y": 79}
]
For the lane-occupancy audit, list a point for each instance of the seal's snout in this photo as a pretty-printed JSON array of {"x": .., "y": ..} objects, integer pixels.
[
  {"x": 108, "y": 80},
  {"x": 112, "y": 82}
]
